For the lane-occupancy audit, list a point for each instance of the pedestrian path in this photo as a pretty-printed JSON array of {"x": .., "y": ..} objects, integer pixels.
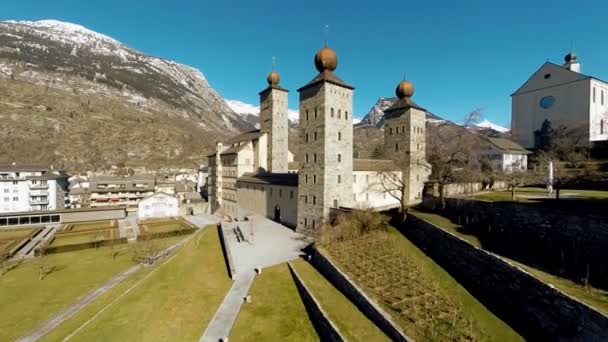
[{"x": 29, "y": 249}]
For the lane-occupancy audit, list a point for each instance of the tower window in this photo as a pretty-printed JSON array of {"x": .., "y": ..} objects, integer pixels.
[
  {"x": 339, "y": 114},
  {"x": 315, "y": 113},
  {"x": 306, "y": 137},
  {"x": 314, "y": 179},
  {"x": 314, "y": 158},
  {"x": 291, "y": 194},
  {"x": 307, "y": 114},
  {"x": 396, "y": 147},
  {"x": 314, "y": 200},
  {"x": 306, "y": 157},
  {"x": 339, "y": 136},
  {"x": 547, "y": 76},
  {"x": 305, "y": 199},
  {"x": 332, "y": 112},
  {"x": 315, "y": 136},
  {"x": 313, "y": 224},
  {"x": 346, "y": 115},
  {"x": 418, "y": 147},
  {"x": 402, "y": 129},
  {"x": 306, "y": 179},
  {"x": 390, "y": 131},
  {"x": 339, "y": 179},
  {"x": 339, "y": 157},
  {"x": 335, "y": 203},
  {"x": 305, "y": 222}
]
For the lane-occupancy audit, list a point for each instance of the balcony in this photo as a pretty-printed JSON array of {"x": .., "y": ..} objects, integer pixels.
[
  {"x": 36, "y": 193},
  {"x": 39, "y": 186},
  {"x": 39, "y": 201}
]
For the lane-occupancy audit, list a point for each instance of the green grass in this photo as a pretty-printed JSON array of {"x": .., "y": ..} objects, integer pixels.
[
  {"x": 74, "y": 239},
  {"x": 174, "y": 301},
  {"x": 10, "y": 234},
  {"x": 595, "y": 297},
  {"x": 25, "y": 301},
  {"x": 276, "y": 312},
  {"x": 351, "y": 322},
  {"x": 422, "y": 274},
  {"x": 530, "y": 195},
  {"x": 85, "y": 226}
]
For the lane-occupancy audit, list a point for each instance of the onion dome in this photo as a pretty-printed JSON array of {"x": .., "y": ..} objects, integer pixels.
[
  {"x": 326, "y": 59},
  {"x": 273, "y": 78},
  {"x": 404, "y": 89}
]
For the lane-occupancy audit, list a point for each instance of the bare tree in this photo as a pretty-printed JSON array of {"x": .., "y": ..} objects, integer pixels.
[
  {"x": 42, "y": 261},
  {"x": 453, "y": 154},
  {"x": 517, "y": 178},
  {"x": 145, "y": 249}
]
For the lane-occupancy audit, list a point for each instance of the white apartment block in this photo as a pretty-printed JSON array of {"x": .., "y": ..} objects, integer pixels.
[
  {"x": 108, "y": 191},
  {"x": 31, "y": 188},
  {"x": 565, "y": 97}
]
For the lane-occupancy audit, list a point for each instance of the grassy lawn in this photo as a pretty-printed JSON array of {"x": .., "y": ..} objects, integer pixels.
[
  {"x": 18, "y": 233},
  {"x": 595, "y": 297},
  {"x": 173, "y": 301},
  {"x": 26, "y": 301},
  {"x": 422, "y": 297},
  {"x": 276, "y": 312},
  {"x": 74, "y": 239},
  {"x": 84, "y": 226},
  {"x": 351, "y": 322},
  {"x": 153, "y": 226}
]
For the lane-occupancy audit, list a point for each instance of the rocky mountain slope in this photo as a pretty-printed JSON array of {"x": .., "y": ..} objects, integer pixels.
[{"x": 73, "y": 97}]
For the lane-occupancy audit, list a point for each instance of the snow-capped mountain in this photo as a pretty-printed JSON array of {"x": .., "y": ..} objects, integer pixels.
[
  {"x": 375, "y": 116},
  {"x": 83, "y": 97},
  {"x": 488, "y": 124},
  {"x": 67, "y": 55}
]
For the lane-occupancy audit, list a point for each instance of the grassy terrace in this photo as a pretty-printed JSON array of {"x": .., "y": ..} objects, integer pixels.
[
  {"x": 26, "y": 301},
  {"x": 276, "y": 312},
  {"x": 172, "y": 301},
  {"x": 532, "y": 195},
  {"x": 351, "y": 322},
  {"x": 420, "y": 296},
  {"x": 596, "y": 297}
]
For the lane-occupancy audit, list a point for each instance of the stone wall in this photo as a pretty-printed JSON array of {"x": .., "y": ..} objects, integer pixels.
[
  {"x": 322, "y": 262},
  {"x": 535, "y": 309},
  {"x": 564, "y": 242},
  {"x": 325, "y": 328},
  {"x": 226, "y": 252}
]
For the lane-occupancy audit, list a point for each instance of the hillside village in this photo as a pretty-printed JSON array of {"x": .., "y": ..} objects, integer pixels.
[{"x": 403, "y": 226}]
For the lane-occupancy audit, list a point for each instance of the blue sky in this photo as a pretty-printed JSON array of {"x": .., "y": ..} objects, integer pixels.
[{"x": 460, "y": 55}]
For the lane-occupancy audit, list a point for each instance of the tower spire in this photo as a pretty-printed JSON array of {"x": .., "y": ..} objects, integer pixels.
[
  {"x": 274, "y": 63},
  {"x": 326, "y": 34}
]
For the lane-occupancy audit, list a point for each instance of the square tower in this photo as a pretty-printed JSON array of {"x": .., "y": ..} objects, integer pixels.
[
  {"x": 325, "y": 180},
  {"x": 405, "y": 141},
  {"x": 274, "y": 122}
]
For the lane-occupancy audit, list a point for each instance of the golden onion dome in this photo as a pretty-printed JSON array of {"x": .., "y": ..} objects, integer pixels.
[
  {"x": 273, "y": 78},
  {"x": 326, "y": 59},
  {"x": 404, "y": 89}
]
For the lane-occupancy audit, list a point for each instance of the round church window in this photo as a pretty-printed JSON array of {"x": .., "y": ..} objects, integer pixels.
[{"x": 547, "y": 102}]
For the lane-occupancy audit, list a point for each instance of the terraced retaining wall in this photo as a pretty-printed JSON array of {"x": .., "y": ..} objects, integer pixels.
[{"x": 536, "y": 310}]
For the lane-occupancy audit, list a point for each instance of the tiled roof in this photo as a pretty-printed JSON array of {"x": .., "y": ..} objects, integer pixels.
[
  {"x": 507, "y": 145},
  {"x": 326, "y": 76},
  {"x": 247, "y": 136},
  {"x": 233, "y": 149},
  {"x": 23, "y": 167},
  {"x": 402, "y": 104}
]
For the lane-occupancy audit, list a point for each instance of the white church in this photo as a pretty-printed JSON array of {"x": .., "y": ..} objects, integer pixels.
[
  {"x": 563, "y": 95},
  {"x": 255, "y": 172}
]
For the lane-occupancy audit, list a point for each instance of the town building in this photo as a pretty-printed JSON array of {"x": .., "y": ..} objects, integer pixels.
[
  {"x": 504, "y": 155},
  {"x": 31, "y": 188},
  {"x": 159, "y": 204},
  {"x": 565, "y": 97},
  {"x": 254, "y": 171},
  {"x": 127, "y": 191}
]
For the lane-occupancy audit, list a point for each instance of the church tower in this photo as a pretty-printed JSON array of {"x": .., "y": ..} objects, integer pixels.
[
  {"x": 274, "y": 122},
  {"x": 571, "y": 62},
  {"x": 405, "y": 141},
  {"x": 325, "y": 180}
]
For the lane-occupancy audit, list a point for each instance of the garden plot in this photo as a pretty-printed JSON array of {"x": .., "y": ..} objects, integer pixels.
[{"x": 13, "y": 239}]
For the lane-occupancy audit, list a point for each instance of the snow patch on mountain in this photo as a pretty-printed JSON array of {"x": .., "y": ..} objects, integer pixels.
[
  {"x": 488, "y": 124},
  {"x": 244, "y": 109}
]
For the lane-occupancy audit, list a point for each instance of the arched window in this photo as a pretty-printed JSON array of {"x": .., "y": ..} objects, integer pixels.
[
  {"x": 339, "y": 136},
  {"x": 332, "y": 112},
  {"x": 339, "y": 114}
]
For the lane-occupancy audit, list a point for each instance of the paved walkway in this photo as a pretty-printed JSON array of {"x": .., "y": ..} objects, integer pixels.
[
  {"x": 202, "y": 220},
  {"x": 226, "y": 314},
  {"x": 270, "y": 244},
  {"x": 67, "y": 313},
  {"x": 28, "y": 250}
]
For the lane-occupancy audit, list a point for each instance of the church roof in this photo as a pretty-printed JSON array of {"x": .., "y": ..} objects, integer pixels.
[
  {"x": 374, "y": 165},
  {"x": 326, "y": 76},
  {"x": 247, "y": 136},
  {"x": 272, "y": 86},
  {"x": 507, "y": 145},
  {"x": 233, "y": 150},
  {"x": 538, "y": 81},
  {"x": 288, "y": 179}
]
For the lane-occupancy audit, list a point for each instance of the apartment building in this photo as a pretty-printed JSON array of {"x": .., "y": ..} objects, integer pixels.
[
  {"x": 31, "y": 188},
  {"x": 127, "y": 191}
]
